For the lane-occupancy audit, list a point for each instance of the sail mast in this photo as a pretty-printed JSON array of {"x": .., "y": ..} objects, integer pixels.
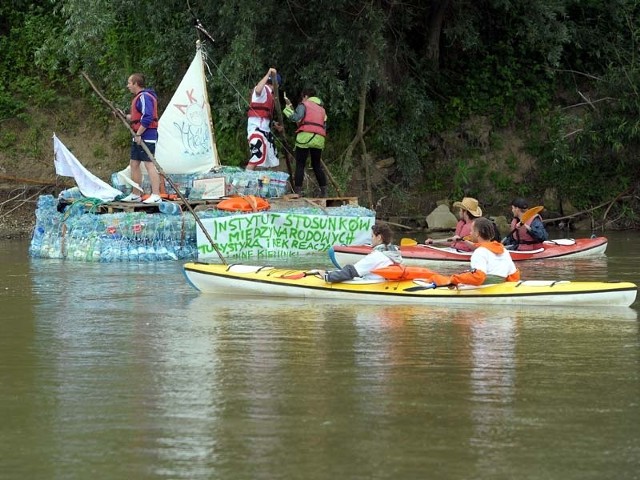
[{"x": 207, "y": 106}]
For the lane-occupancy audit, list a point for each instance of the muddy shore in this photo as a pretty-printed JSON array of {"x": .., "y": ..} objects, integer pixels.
[{"x": 17, "y": 210}]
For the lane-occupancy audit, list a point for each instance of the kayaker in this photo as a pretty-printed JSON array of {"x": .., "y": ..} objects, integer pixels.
[
  {"x": 490, "y": 261},
  {"x": 383, "y": 254},
  {"x": 469, "y": 210},
  {"x": 528, "y": 235}
]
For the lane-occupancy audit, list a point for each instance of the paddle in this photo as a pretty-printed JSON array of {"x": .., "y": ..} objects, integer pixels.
[
  {"x": 299, "y": 275},
  {"x": 410, "y": 242},
  {"x": 426, "y": 285},
  {"x": 526, "y": 216}
]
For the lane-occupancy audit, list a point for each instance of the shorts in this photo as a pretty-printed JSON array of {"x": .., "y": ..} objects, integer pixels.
[
  {"x": 262, "y": 150},
  {"x": 138, "y": 153}
]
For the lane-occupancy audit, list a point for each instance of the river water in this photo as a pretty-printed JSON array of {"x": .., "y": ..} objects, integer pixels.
[{"x": 113, "y": 371}]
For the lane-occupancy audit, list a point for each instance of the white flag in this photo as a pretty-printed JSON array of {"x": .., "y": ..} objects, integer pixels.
[{"x": 68, "y": 165}]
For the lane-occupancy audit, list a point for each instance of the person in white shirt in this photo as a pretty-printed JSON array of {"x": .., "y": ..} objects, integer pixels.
[
  {"x": 490, "y": 261},
  {"x": 262, "y": 147},
  {"x": 383, "y": 254}
]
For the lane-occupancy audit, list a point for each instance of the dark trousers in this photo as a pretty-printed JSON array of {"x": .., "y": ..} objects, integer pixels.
[{"x": 301, "y": 160}]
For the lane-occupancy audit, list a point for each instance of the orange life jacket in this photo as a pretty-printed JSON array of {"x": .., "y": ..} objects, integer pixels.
[
  {"x": 262, "y": 110},
  {"x": 136, "y": 115},
  {"x": 313, "y": 120},
  {"x": 463, "y": 230},
  {"x": 523, "y": 237}
]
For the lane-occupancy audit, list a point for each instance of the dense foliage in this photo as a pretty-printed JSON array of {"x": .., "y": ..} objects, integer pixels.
[{"x": 401, "y": 73}]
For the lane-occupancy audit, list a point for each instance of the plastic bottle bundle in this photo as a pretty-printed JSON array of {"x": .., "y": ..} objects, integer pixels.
[
  {"x": 278, "y": 184},
  {"x": 44, "y": 207},
  {"x": 351, "y": 211},
  {"x": 182, "y": 181},
  {"x": 170, "y": 208},
  {"x": 107, "y": 250},
  {"x": 46, "y": 230},
  {"x": 190, "y": 230},
  {"x": 37, "y": 239},
  {"x": 119, "y": 184},
  {"x": 238, "y": 184},
  {"x": 72, "y": 194},
  {"x": 45, "y": 202},
  {"x": 196, "y": 193},
  {"x": 93, "y": 249}
]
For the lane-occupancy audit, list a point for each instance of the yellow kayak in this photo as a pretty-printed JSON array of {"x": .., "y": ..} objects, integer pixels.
[{"x": 253, "y": 280}]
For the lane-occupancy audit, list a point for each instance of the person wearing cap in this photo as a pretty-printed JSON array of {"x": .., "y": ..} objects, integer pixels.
[
  {"x": 262, "y": 147},
  {"x": 469, "y": 211},
  {"x": 528, "y": 235},
  {"x": 311, "y": 118}
]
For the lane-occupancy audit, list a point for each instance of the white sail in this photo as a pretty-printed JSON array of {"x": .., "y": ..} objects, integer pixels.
[
  {"x": 185, "y": 133},
  {"x": 68, "y": 165}
]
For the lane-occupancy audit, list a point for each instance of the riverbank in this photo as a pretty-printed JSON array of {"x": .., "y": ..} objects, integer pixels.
[{"x": 17, "y": 209}]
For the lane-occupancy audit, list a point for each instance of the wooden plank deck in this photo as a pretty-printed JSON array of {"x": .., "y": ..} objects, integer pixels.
[{"x": 292, "y": 201}]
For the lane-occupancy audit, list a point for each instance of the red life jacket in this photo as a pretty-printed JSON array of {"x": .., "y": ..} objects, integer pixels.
[
  {"x": 136, "y": 115},
  {"x": 313, "y": 120},
  {"x": 523, "y": 237},
  {"x": 262, "y": 110},
  {"x": 463, "y": 229}
]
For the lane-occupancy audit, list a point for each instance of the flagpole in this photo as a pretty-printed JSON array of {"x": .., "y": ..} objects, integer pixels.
[{"x": 207, "y": 105}]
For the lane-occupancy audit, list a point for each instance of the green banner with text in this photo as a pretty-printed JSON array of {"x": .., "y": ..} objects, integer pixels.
[{"x": 280, "y": 235}]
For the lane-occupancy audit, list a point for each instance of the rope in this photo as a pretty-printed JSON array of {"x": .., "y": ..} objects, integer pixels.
[{"x": 83, "y": 205}]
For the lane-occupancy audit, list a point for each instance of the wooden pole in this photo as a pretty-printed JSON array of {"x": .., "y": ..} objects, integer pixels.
[{"x": 285, "y": 143}]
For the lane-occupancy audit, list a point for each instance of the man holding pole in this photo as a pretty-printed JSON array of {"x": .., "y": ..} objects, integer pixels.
[{"x": 143, "y": 117}]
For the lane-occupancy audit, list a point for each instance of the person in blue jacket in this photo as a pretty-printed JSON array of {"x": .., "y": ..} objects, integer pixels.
[{"x": 143, "y": 117}]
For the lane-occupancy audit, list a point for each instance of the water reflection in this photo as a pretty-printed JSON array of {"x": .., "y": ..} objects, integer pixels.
[{"x": 125, "y": 369}]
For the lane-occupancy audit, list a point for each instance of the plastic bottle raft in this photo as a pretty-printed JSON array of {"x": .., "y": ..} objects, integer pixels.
[{"x": 80, "y": 233}]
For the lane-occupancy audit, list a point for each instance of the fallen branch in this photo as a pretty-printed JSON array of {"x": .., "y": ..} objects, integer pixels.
[
  {"x": 22, "y": 202},
  {"x": 588, "y": 210},
  {"x": 631, "y": 188},
  {"x": 398, "y": 225}
]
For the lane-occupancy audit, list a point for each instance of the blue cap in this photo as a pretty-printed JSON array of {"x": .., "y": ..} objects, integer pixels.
[{"x": 278, "y": 79}]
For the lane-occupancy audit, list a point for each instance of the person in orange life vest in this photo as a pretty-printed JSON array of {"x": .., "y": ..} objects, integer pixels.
[
  {"x": 490, "y": 261},
  {"x": 527, "y": 236},
  {"x": 469, "y": 211},
  {"x": 383, "y": 254},
  {"x": 262, "y": 148},
  {"x": 144, "y": 121},
  {"x": 311, "y": 118}
]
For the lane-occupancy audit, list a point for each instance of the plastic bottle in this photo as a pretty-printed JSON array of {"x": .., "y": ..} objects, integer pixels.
[{"x": 169, "y": 208}]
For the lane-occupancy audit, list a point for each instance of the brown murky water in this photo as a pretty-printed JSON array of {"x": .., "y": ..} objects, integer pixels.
[{"x": 123, "y": 371}]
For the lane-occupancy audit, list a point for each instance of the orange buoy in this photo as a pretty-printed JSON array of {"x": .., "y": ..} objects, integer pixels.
[{"x": 244, "y": 203}]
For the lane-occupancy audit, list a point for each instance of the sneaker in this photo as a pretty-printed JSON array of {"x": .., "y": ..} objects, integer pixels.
[
  {"x": 153, "y": 198},
  {"x": 132, "y": 197}
]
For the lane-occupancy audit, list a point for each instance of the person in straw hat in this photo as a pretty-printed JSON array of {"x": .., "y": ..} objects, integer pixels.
[{"x": 469, "y": 211}]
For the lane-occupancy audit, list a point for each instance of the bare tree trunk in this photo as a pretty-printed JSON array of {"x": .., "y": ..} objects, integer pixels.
[
  {"x": 365, "y": 156},
  {"x": 434, "y": 25}
]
